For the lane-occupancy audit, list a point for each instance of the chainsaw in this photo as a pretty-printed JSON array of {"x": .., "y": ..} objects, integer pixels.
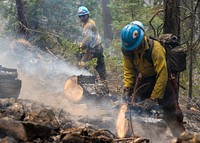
[{"x": 132, "y": 114}]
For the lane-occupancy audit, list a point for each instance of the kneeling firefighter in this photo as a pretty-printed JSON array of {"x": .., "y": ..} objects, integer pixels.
[{"x": 154, "y": 84}]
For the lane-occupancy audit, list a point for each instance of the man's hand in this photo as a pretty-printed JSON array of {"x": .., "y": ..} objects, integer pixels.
[
  {"x": 81, "y": 64},
  {"x": 83, "y": 47},
  {"x": 148, "y": 103},
  {"x": 127, "y": 96}
]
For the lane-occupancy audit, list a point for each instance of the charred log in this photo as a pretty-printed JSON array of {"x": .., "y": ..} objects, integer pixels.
[{"x": 9, "y": 84}]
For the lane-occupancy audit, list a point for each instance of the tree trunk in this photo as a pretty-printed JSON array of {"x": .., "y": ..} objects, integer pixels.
[
  {"x": 22, "y": 18},
  {"x": 107, "y": 19},
  {"x": 171, "y": 20},
  {"x": 172, "y": 23},
  {"x": 191, "y": 51}
]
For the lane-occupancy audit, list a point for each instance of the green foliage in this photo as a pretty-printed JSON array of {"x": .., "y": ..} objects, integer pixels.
[
  {"x": 8, "y": 17},
  {"x": 184, "y": 89},
  {"x": 123, "y": 12},
  {"x": 52, "y": 24},
  {"x": 113, "y": 58}
]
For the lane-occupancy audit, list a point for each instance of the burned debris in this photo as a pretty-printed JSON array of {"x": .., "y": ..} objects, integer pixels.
[
  {"x": 29, "y": 121},
  {"x": 10, "y": 85}
]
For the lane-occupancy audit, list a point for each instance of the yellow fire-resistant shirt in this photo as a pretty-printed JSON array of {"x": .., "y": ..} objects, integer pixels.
[
  {"x": 91, "y": 37},
  {"x": 140, "y": 63}
]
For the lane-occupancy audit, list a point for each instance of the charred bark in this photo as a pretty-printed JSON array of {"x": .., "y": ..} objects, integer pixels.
[
  {"x": 107, "y": 20},
  {"x": 171, "y": 19},
  {"x": 22, "y": 18},
  {"x": 10, "y": 86}
]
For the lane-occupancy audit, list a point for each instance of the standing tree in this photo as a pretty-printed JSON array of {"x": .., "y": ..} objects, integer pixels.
[
  {"x": 193, "y": 41},
  {"x": 107, "y": 20},
  {"x": 23, "y": 27},
  {"x": 171, "y": 18},
  {"x": 189, "y": 27}
]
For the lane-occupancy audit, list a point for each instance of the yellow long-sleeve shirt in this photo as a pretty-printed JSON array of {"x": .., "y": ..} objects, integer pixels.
[{"x": 140, "y": 63}]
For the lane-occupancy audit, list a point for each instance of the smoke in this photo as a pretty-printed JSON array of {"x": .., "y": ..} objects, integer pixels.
[
  {"x": 156, "y": 132},
  {"x": 36, "y": 65},
  {"x": 43, "y": 79}
]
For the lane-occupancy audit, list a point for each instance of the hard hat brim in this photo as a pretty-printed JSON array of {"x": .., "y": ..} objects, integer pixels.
[
  {"x": 83, "y": 14},
  {"x": 132, "y": 47}
]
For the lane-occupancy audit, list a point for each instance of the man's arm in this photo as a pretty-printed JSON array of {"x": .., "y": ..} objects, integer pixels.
[
  {"x": 129, "y": 71},
  {"x": 129, "y": 78},
  {"x": 160, "y": 65}
]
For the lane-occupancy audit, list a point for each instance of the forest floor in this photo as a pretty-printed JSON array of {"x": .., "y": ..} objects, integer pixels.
[{"x": 49, "y": 91}]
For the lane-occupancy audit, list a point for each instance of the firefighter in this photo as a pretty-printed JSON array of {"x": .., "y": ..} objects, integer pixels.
[
  {"x": 145, "y": 82},
  {"x": 91, "y": 46}
]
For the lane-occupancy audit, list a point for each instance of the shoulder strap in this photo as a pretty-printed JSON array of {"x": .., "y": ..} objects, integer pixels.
[{"x": 148, "y": 53}]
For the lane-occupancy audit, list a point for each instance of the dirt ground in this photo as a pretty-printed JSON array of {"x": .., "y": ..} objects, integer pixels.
[{"x": 49, "y": 91}]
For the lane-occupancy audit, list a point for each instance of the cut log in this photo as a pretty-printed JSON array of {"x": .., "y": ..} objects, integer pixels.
[
  {"x": 122, "y": 122},
  {"x": 85, "y": 87},
  {"x": 73, "y": 91},
  {"x": 10, "y": 86}
]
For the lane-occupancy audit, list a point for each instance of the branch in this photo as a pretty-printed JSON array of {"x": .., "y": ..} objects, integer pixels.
[{"x": 161, "y": 10}]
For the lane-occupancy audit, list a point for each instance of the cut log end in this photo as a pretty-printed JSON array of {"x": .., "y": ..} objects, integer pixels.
[{"x": 73, "y": 91}]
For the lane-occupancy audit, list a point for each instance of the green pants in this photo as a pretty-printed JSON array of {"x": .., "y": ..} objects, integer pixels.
[
  {"x": 96, "y": 52},
  {"x": 173, "y": 115}
]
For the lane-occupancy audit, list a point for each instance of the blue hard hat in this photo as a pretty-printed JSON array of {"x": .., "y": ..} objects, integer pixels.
[
  {"x": 82, "y": 10},
  {"x": 138, "y": 23},
  {"x": 131, "y": 36}
]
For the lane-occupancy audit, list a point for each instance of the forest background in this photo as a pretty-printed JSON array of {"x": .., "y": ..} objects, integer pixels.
[{"x": 53, "y": 26}]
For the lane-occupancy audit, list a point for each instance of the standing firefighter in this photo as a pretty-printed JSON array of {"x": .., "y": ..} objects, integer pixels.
[
  {"x": 90, "y": 46},
  {"x": 147, "y": 82}
]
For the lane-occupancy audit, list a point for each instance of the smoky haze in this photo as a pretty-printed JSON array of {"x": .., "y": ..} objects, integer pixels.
[
  {"x": 36, "y": 66},
  {"x": 43, "y": 78}
]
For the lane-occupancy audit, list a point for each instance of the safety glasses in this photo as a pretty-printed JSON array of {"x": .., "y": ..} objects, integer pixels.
[{"x": 81, "y": 16}]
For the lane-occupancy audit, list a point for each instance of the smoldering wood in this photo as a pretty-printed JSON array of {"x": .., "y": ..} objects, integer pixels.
[
  {"x": 29, "y": 121},
  {"x": 8, "y": 73},
  {"x": 10, "y": 85}
]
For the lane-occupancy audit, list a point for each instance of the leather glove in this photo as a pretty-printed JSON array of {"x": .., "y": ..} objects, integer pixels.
[
  {"x": 147, "y": 104},
  {"x": 83, "y": 47},
  {"x": 127, "y": 95},
  {"x": 81, "y": 64}
]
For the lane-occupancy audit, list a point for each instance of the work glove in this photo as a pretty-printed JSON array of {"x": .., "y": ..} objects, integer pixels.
[
  {"x": 147, "y": 104},
  {"x": 81, "y": 64},
  {"x": 82, "y": 47},
  {"x": 127, "y": 95}
]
